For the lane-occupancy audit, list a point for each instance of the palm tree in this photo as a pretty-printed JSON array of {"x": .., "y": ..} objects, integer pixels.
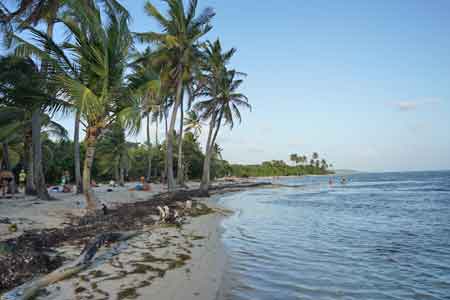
[
  {"x": 294, "y": 158},
  {"x": 214, "y": 78},
  {"x": 145, "y": 82},
  {"x": 32, "y": 12},
  {"x": 113, "y": 152},
  {"x": 193, "y": 123},
  {"x": 323, "y": 164},
  {"x": 315, "y": 155},
  {"x": 94, "y": 79},
  {"x": 23, "y": 87},
  {"x": 178, "y": 42},
  {"x": 223, "y": 106},
  {"x": 103, "y": 50}
]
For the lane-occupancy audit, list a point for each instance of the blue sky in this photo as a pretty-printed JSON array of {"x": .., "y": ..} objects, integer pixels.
[{"x": 363, "y": 83}]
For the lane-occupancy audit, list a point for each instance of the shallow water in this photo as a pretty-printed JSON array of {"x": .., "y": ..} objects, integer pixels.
[{"x": 380, "y": 236}]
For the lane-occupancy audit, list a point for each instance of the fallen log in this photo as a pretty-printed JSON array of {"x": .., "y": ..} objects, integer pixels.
[{"x": 29, "y": 290}]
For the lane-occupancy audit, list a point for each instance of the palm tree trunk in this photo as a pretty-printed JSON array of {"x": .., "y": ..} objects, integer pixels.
[
  {"x": 76, "y": 143},
  {"x": 206, "y": 178},
  {"x": 5, "y": 157},
  {"x": 170, "y": 177},
  {"x": 116, "y": 171},
  {"x": 180, "y": 168},
  {"x": 156, "y": 143},
  {"x": 156, "y": 134},
  {"x": 90, "y": 141},
  {"x": 166, "y": 130},
  {"x": 122, "y": 176},
  {"x": 39, "y": 179},
  {"x": 28, "y": 161},
  {"x": 149, "y": 149},
  {"x": 36, "y": 120},
  {"x": 206, "y": 163}
]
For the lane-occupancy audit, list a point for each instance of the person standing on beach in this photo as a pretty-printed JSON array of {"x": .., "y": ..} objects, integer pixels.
[
  {"x": 6, "y": 180},
  {"x": 22, "y": 179}
]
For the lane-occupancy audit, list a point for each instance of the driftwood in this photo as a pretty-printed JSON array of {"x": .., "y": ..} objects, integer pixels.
[
  {"x": 29, "y": 290},
  {"x": 222, "y": 211}
]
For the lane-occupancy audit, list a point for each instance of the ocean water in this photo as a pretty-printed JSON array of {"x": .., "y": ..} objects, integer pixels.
[{"x": 380, "y": 236}]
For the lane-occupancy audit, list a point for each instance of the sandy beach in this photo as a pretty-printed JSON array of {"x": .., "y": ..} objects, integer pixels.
[{"x": 166, "y": 262}]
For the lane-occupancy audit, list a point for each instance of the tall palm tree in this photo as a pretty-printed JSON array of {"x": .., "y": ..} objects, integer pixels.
[
  {"x": 93, "y": 80},
  {"x": 146, "y": 82},
  {"x": 223, "y": 106},
  {"x": 178, "y": 42},
  {"x": 32, "y": 12},
  {"x": 23, "y": 87},
  {"x": 103, "y": 48},
  {"x": 214, "y": 78}
]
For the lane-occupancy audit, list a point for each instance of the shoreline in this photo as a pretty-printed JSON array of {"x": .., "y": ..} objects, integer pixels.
[{"x": 168, "y": 262}]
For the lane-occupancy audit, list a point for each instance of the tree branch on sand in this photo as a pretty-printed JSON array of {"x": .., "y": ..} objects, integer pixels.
[{"x": 30, "y": 289}]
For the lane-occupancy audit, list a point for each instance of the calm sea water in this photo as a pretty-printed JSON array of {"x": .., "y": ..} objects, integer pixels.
[{"x": 380, "y": 236}]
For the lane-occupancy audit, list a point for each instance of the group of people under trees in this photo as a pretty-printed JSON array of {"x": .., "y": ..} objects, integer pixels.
[
  {"x": 8, "y": 182},
  {"x": 9, "y": 188}
]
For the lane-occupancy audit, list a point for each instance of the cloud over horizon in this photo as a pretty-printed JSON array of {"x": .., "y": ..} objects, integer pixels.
[{"x": 413, "y": 105}]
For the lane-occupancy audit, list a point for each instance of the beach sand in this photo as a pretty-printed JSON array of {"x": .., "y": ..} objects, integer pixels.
[{"x": 164, "y": 263}]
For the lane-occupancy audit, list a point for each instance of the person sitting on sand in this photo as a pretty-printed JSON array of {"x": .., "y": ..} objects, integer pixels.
[
  {"x": 6, "y": 179},
  {"x": 112, "y": 183},
  {"x": 142, "y": 186}
]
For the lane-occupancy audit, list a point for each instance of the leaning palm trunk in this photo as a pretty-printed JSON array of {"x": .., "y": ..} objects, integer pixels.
[
  {"x": 206, "y": 178},
  {"x": 180, "y": 168},
  {"x": 170, "y": 177},
  {"x": 204, "y": 186},
  {"x": 76, "y": 143},
  {"x": 90, "y": 140},
  {"x": 149, "y": 149}
]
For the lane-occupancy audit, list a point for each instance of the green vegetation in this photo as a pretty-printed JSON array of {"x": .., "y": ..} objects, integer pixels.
[
  {"x": 280, "y": 168},
  {"x": 95, "y": 74}
]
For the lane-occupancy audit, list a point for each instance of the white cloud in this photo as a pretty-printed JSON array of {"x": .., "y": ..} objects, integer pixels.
[
  {"x": 414, "y": 104},
  {"x": 406, "y": 105}
]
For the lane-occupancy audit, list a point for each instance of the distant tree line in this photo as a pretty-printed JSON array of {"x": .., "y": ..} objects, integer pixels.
[{"x": 302, "y": 166}]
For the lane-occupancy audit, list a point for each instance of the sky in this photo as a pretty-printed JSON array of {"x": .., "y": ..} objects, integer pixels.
[{"x": 363, "y": 83}]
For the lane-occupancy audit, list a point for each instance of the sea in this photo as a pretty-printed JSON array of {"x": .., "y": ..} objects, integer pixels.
[{"x": 375, "y": 236}]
